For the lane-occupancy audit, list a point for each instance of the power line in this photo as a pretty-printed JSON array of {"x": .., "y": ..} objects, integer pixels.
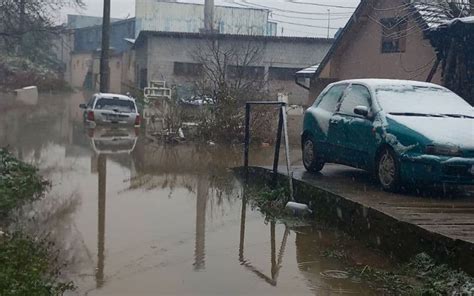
[
  {"x": 254, "y": 5},
  {"x": 310, "y": 18},
  {"x": 321, "y": 5},
  {"x": 305, "y": 25}
]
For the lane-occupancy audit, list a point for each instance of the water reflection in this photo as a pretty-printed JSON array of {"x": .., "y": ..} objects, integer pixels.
[
  {"x": 201, "y": 205},
  {"x": 102, "y": 176},
  {"x": 275, "y": 260},
  {"x": 137, "y": 218}
]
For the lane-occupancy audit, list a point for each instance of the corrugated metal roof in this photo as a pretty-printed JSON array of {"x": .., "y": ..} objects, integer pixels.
[{"x": 433, "y": 14}]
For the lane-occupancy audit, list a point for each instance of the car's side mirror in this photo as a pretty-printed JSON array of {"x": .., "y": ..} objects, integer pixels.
[
  {"x": 82, "y": 106},
  {"x": 362, "y": 111}
]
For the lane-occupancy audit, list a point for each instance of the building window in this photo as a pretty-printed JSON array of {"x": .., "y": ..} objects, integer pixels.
[
  {"x": 187, "y": 69},
  {"x": 245, "y": 72},
  {"x": 279, "y": 73},
  {"x": 394, "y": 35}
]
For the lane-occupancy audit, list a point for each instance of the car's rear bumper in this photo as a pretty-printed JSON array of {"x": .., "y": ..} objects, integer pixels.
[
  {"x": 110, "y": 123},
  {"x": 432, "y": 169}
]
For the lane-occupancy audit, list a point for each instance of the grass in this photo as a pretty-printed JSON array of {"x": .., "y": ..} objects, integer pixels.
[
  {"x": 269, "y": 201},
  {"x": 28, "y": 266},
  {"x": 422, "y": 276}
]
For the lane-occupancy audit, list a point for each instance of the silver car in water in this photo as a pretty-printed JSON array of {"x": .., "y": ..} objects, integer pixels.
[{"x": 111, "y": 109}]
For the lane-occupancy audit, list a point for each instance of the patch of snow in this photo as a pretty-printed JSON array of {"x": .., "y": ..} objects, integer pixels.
[
  {"x": 421, "y": 99},
  {"x": 322, "y": 117},
  {"x": 466, "y": 20},
  {"x": 454, "y": 160},
  {"x": 309, "y": 70},
  {"x": 396, "y": 145},
  {"x": 432, "y": 14},
  {"x": 449, "y": 131},
  {"x": 425, "y": 157}
]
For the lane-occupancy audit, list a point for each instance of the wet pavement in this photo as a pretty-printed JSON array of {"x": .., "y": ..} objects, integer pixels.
[{"x": 136, "y": 218}]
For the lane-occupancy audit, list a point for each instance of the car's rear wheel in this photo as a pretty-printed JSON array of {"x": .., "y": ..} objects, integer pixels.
[
  {"x": 388, "y": 170},
  {"x": 311, "y": 161}
]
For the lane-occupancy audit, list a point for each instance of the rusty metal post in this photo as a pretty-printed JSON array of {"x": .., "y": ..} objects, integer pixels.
[
  {"x": 247, "y": 137},
  {"x": 276, "y": 159}
]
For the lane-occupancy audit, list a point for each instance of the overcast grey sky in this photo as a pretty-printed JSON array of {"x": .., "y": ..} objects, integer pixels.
[{"x": 294, "y": 18}]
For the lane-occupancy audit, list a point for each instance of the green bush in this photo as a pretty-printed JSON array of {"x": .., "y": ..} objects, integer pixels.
[
  {"x": 28, "y": 268},
  {"x": 19, "y": 183}
]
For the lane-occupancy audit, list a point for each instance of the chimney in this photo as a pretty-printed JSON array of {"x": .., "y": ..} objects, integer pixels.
[{"x": 209, "y": 16}]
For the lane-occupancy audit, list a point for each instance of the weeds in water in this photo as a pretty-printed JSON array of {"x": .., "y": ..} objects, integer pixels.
[
  {"x": 422, "y": 276},
  {"x": 270, "y": 201}
]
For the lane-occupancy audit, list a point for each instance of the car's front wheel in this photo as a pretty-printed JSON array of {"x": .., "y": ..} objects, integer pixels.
[
  {"x": 311, "y": 161},
  {"x": 388, "y": 170}
]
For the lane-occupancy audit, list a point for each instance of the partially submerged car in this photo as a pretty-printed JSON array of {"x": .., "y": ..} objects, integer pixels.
[
  {"x": 404, "y": 132},
  {"x": 115, "y": 109}
]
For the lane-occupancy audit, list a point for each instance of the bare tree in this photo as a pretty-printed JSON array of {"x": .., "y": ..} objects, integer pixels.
[
  {"x": 230, "y": 68},
  {"x": 232, "y": 73},
  {"x": 27, "y": 26}
]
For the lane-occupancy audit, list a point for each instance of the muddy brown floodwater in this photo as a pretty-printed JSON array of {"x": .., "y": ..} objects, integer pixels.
[{"x": 134, "y": 218}]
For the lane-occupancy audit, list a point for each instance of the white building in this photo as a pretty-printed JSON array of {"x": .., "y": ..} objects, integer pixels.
[{"x": 172, "y": 16}]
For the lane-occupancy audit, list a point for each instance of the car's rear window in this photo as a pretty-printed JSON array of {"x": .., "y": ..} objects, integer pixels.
[{"x": 115, "y": 105}]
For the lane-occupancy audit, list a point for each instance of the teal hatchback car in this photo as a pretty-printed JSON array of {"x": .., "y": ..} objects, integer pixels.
[{"x": 404, "y": 132}]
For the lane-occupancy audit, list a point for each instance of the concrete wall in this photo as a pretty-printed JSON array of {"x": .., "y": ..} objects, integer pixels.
[
  {"x": 155, "y": 15},
  {"x": 81, "y": 63},
  {"x": 294, "y": 53},
  {"x": 88, "y": 63},
  {"x": 360, "y": 55},
  {"x": 62, "y": 46}
]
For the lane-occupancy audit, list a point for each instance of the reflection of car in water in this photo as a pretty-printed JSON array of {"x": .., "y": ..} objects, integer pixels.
[
  {"x": 402, "y": 131},
  {"x": 109, "y": 140},
  {"x": 111, "y": 109}
]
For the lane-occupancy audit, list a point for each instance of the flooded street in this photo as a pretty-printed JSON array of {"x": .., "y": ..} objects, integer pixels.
[{"x": 135, "y": 218}]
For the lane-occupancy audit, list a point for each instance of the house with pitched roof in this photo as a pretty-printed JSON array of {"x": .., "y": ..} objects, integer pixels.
[{"x": 383, "y": 39}]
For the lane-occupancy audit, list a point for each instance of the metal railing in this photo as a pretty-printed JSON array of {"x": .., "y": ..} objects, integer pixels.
[{"x": 282, "y": 129}]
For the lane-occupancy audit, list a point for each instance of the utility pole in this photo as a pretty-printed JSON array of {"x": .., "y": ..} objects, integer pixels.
[
  {"x": 104, "y": 56},
  {"x": 329, "y": 21},
  {"x": 209, "y": 16}
]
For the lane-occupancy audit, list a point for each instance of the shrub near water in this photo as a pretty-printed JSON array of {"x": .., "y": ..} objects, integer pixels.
[
  {"x": 19, "y": 183},
  {"x": 28, "y": 266}
]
